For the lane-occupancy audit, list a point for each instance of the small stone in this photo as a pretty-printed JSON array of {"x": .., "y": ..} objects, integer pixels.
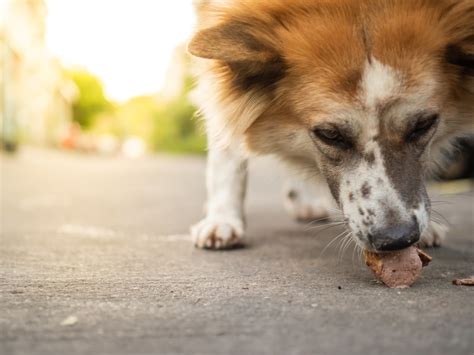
[{"x": 71, "y": 320}]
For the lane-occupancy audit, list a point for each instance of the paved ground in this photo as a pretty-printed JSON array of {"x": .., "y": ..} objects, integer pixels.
[{"x": 104, "y": 241}]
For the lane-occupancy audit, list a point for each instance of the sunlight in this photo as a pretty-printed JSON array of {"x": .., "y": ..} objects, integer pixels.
[{"x": 127, "y": 43}]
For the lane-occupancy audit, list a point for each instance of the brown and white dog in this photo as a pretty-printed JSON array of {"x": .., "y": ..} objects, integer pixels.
[{"x": 365, "y": 94}]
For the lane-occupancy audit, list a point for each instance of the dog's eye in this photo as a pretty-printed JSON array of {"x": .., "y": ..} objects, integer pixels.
[
  {"x": 331, "y": 136},
  {"x": 422, "y": 127}
]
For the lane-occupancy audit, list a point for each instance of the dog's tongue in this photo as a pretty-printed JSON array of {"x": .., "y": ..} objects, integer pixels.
[{"x": 398, "y": 269}]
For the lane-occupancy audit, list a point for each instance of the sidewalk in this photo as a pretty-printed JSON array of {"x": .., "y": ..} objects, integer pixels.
[{"x": 95, "y": 258}]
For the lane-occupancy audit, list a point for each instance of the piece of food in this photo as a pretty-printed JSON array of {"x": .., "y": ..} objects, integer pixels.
[
  {"x": 464, "y": 282},
  {"x": 397, "y": 269},
  {"x": 424, "y": 257}
]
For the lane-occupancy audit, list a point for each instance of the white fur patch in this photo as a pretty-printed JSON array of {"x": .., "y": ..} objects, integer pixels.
[
  {"x": 223, "y": 226},
  {"x": 379, "y": 82}
]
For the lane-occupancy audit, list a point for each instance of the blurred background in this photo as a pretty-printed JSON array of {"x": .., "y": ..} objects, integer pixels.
[{"x": 107, "y": 77}]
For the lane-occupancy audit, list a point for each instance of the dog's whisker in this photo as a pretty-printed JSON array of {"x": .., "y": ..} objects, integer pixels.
[
  {"x": 357, "y": 253},
  {"x": 354, "y": 253},
  {"x": 338, "y": 237},
  {"x": 360, "y": 251},
  {"x": 433, "y": 219},
  {"x": 441, "y": 202},
  {"x": 328, "y": 226},
  {"x": 322, "y": 219},
  {"x": 339, "y": 246},
  {"x": 336, "y": 210},
  {"x": 347, "y": 241},
  {"x": 352, "y": 245},
  {"x": 315, "y": 228},
  {"x": 440, "y": 221},
  {"x": 361, "y": 257},
  {"x": 440, "y": 216},
  {"x": 332, "y": 242},
  {"x": 350, "y": 241}
]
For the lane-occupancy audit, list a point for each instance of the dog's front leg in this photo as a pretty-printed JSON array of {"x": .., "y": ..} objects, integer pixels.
[{"x": 223, "y": 226}]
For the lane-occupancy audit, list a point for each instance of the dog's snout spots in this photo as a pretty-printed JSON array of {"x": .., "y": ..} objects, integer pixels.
[
  {"x": 371, "y": 212},
  {"x": 368, "y": 221},
  {"x": 370, "y": 158},
  {"x": 292, "y": 195},
  {"x": 361, "y": 211},
  {"x": 391, "y": 216},
  {"x": 365, "y": 190},
  {"x": 351, "y": 196}
]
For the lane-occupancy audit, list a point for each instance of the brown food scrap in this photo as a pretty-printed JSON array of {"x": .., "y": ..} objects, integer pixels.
[
  {"x": 425, "y": 258},
  {"x": 397, "y": 269},
  {"x": 464, "y": 282}
]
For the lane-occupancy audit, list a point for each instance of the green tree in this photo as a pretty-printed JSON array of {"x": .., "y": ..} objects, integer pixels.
[
  {"x": 91, "y": 100},
  {"x": 177, "y": 128}
]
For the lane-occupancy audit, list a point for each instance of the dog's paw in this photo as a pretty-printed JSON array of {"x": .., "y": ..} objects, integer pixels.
[
  {"x": 303, "y": 208},
  {"x": 218, "y": 233},
  {"x": 434, "y": 235}
]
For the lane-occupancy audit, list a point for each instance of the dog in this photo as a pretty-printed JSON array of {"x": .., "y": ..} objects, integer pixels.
[{"x": 363, "y": 96}]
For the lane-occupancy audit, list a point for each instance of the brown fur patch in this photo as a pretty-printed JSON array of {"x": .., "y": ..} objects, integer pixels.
[{"x": 281, "y": 66}]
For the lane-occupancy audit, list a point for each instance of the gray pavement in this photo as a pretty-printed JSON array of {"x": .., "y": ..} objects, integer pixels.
[{"x": 101, "y": 244}]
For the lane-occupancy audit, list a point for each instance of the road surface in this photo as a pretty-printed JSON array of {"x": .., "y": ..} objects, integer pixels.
[{"x": 95, "y": 259}]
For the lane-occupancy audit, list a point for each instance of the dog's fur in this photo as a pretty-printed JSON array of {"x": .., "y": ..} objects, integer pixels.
[{"x": 364, "y": 93}]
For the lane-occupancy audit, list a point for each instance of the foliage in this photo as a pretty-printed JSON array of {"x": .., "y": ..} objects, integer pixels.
[
  {"x": 91, "y": 100},
  {"x": 169, "y": 126},
  {"x": 177, "y": 128}
]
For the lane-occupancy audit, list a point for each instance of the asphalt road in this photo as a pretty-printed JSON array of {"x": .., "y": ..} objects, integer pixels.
[{"x": 95, "y": 259}]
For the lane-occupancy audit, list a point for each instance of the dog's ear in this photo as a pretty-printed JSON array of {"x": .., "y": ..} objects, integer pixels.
[
  {"x": 460, "y": 50},
  {"x": 462, "y": 56},
  {"x": 247, "y": 51},
  {"x": 248, "y": 59},
  {"x": 230, "y": 42}
]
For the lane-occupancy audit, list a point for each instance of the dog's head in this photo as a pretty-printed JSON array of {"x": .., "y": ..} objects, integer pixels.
[{"x": 364, "y": 92}]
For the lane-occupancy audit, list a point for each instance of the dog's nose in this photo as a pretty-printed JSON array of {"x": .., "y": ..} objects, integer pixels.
[{"x": 395, "y": 238}]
